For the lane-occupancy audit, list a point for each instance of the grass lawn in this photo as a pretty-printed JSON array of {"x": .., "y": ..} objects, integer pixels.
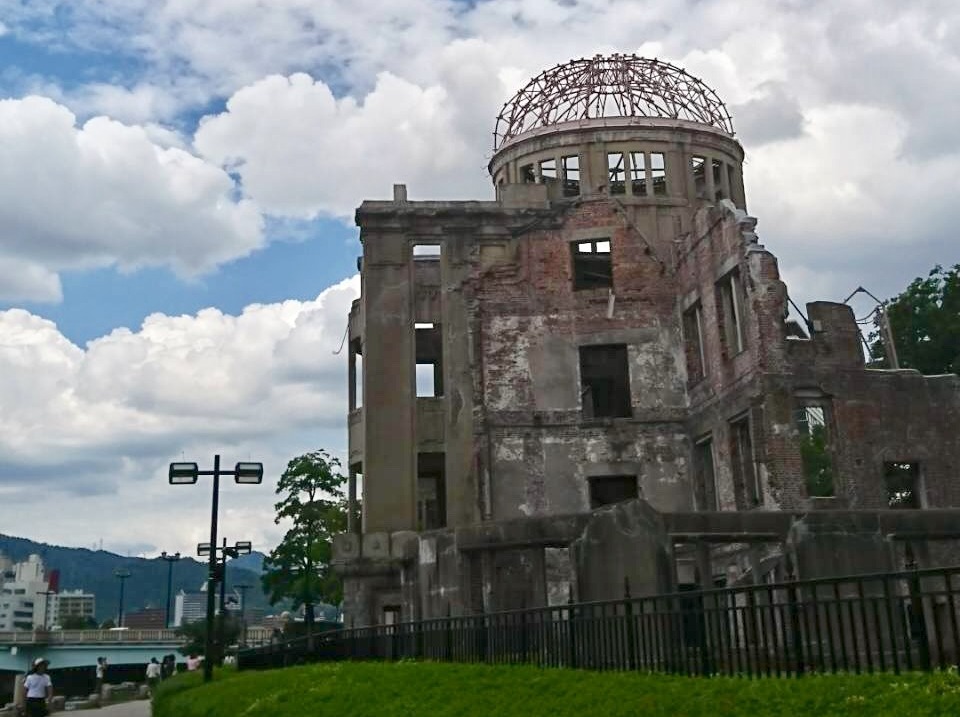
[{"x": 361, "y": 689}]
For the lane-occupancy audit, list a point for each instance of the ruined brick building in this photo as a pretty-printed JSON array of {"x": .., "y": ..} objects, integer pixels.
[{"x": 592, "y": 377}]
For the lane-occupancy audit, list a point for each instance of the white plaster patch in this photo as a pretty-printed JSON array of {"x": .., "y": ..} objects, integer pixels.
[
  {"x": 428, "y": 551},
  {"x": 509, "y": 449}
]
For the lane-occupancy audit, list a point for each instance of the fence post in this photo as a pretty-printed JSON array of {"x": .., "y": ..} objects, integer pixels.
[
  {"x": 796, "y": 633},
  {"x": 919, "y": 613},
  {"x": 524, "y": 648},
  {"x": 571, "y": 629},
  {"x": 449, "y": 635},
  {"x": 631, "y": 628}
]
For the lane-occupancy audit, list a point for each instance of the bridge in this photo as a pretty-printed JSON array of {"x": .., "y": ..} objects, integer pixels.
[{"x": 81, "y": 648}]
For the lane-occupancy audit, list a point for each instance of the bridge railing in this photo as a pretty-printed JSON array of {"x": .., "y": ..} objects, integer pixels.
[{"x": 72, "y": 637}]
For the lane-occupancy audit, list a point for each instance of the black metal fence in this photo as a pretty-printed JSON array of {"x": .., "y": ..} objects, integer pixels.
[{"x": 864, "y": 623}]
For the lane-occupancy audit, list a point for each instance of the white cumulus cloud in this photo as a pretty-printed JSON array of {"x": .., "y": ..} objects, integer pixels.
[{"x": 106, "y": 194}]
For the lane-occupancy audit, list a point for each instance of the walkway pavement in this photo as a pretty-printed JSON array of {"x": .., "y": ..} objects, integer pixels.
[{"x": 136, "y": 708}]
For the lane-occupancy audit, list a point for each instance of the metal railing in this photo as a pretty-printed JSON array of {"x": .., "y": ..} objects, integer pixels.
[
  {"x": 865, "y": 623},
  {"x": 70, "y": 637}
]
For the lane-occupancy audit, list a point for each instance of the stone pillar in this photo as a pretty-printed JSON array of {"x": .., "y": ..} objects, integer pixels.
[
  {"x": 625, "y": 541},
  {"x": 459, "y": 363},
  {"x": 389, "y": 469}
]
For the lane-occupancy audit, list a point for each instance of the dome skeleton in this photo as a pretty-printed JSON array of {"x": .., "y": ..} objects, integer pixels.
[{"x": 613, "y": 86}]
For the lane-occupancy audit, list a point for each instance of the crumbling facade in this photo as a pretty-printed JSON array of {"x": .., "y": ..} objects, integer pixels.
[{"x": 592, "y": 377}]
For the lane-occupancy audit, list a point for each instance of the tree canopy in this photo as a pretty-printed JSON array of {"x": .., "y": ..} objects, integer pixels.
[
  {"x": 312, "y": 500},
  {"x": 925, "y": 319}
]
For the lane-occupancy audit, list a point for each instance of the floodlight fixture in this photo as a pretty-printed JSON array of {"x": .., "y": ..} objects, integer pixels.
[
  {"x": 203, "y": 548},
  {"x": 183, "y": 473},
  {"x": 249, "y": 473},
  {"x": 243, "y": 547}
]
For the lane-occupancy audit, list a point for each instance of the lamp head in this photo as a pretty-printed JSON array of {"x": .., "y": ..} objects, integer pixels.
[
  {"x": 251, "y": 473},
  {"x": 183, "y": 473}
]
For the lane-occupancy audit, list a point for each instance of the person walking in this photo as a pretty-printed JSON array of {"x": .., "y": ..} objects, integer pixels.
[
  {"x": 101, "y": 672},
  {"x": 38, "y": 689},
  {"x": 153, "y": 674}
]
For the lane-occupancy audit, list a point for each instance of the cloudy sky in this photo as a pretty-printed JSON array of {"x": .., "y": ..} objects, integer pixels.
[{"x": 177, "y": 183}]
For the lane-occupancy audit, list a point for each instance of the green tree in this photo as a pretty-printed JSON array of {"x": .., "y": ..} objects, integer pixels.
[
  {"x": 925, "y": 320},
  {"x": 299, "y": 568},
  {"x": 78, "y": 622},
  {"x": 196, "y": 635}
]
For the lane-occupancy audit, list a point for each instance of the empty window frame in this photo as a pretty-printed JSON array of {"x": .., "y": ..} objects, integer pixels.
[
  {"x": 431, "y": 491},
  {"x": 429, "y": 359},
  {"x": 638, "y": 174},
  {"x": 718, "y": 192},
  {"x": 810, "y": 419},
  {"x": 693, "y": 343},
  {"x": 527, "y": 175},
  {"x": 607, "y": 490},
  {"x": 571, "y": 175},
  {"x": 658, "y": 174},
  {"x": 698, "y": 168},
  {"x": 902, "y": 481},
  {"x": 705, "y": 482},
  {"x": 742, "y": 463},
  {"x": 548, "y": 171},
  {"x": 426, "y": 252},
  {"x": 731, "y": 180},
  {"x": 617, "y": 172},
  {"x": 592, "y": 264},
  {"x": 730, "y": 296},
  {"x": 605, "y": 381}
]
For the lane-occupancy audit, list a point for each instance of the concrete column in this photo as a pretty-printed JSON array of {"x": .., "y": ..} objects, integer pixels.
[
  {"x": 389, "y": 471},
  {"x": 459, "y": 363}
]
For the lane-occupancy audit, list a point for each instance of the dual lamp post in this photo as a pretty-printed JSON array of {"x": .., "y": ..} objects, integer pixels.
[
  {"x": 170, "y": 560},
  {"x": 188, "y": 474},
  {"x": 121, "y": 574},
  {"x": 241, "y": 547}
]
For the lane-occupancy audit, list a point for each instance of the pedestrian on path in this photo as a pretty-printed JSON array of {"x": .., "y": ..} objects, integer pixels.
[
  {"x": 153, "y": 674},
  {"x": 38, "y": 689}
]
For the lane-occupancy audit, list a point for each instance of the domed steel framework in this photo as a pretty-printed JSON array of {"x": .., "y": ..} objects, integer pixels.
[{"x": 614, "y": 86}]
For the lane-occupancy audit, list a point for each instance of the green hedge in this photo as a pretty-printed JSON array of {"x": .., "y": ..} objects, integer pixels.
[{"x": 441, "y": 690}]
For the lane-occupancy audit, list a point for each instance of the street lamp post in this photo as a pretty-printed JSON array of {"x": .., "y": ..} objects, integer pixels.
[
  {"x": 187, "y": 474},
  {"x": 243, "y": 587},
  {"x": 122, "y": 574},
  {"x": 170, "y": 560},
  {"x": 241, "y": 547}
]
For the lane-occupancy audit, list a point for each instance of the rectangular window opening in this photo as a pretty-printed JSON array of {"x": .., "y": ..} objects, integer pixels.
[
  {"x": 731, "y": 180},
  {"x": 658, "y": 173},
  {"x": 431, "y": 493},
  {"x": 605, "y": 381},
  {"x": 355, "y": 370},
  {"x": 617, "y": 172},
  {"x": 571, "y": 175},
  {"x": 548, "y": 171},
  {"x": 638, "y": 174},
  {"x": 592, "y": 264},
  {"x": 811, "y": 422},
  {"x": 698, "y": 167},
  {"x": 426, "y": 251},
  {"x": 706, "y": 483},
  {"x": 717, "y": 179},
  {"x": 693, "y": 343},
  {"x": 742, "y": 463},
  {"x": 730, "y": 290},
  {"x": 607, "y": 490},
  {"x": 527, "y": 175},
  {"x": 429, "y": 368},
  {"x": 902, "y": 481}
]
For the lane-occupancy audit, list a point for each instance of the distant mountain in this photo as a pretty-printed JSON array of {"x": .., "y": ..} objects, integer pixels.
[
  {"x": 92, "y": 571},
  {"x": 252, "y": 562}
]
